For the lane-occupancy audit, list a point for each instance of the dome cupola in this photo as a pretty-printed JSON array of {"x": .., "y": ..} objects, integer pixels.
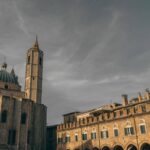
[{"x": 7, "y": 77}]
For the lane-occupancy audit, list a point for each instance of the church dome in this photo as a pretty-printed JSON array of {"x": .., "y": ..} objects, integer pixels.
[{"x": 7, "y": 77}]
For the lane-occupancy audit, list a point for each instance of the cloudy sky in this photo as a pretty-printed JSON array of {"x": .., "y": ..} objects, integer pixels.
[{"x": 95, "y": 50}]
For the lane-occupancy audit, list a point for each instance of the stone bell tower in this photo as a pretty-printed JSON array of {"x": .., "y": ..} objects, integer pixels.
[{"x": 34, "y": 73}]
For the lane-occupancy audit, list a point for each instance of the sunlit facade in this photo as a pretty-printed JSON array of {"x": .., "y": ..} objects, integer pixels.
[{"x": 114, "y": 126}]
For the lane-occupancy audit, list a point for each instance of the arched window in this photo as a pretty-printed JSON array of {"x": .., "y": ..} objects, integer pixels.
[
  {"x": 23, "y": 118},
  {"x": 4, "y": 116}
]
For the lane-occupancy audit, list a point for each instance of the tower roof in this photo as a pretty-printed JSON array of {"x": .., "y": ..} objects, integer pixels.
[
  {"x": 36, "y": 44},
  {"x": 7, "y": 77}
]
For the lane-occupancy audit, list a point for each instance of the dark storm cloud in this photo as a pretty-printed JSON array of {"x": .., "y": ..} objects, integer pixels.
[{"x": 95, "y": 50}]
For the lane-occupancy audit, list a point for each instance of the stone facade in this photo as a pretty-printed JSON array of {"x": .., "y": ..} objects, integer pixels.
[
  {"x": 22, "y": 116},
  {"x": 115, "y": 126}
]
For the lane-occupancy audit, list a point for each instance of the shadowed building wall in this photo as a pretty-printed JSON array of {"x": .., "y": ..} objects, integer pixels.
[{"x": 22, "y": 116}]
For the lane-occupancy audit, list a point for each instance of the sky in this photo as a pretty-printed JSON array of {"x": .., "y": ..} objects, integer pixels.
[{"x": 94, "y": 50}]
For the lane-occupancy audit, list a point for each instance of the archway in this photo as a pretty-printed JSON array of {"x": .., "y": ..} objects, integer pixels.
[
  {"x": 145, "y": 146},
  {"x": 95, "y": 148},
  {"x": 118, "y": 147},
  {"x": 105, "y": 148},
  {"x": 131, "y": 147},
  {"x": 86, "y": 149}
]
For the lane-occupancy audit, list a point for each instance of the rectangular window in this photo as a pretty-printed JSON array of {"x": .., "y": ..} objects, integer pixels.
[
  {"x": 142, "y": 129},
  {"x": 93, "y": 135},
  {"x": 121, "y": 113},
  {"x": 129, "y": 131},
  {"x": 116, "y": 133},
  {"x": 104, "y": 134},
  {"x": 59, "y": 140},
  {"x": 143, "y": 108},
  {"x": 135, "y": 109},
  {"x": 28, "y": 59},
  {"x": 108, "y": 115},
  {"x": 84, "y": 136},
  {"x": 128, "y": 111},
  {"x": 29, "y": 137},
  {"x": 115, "y": 114},
  {"x": 76, "y": 137}
]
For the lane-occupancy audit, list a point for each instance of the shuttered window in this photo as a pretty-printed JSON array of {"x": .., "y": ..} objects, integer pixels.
[
  {"x": 93, "y": 135},
  {"x": 142, "y": 129},
  {"x": 116, "y": 133},
  {"x": 129, "y": 131},
  {"x": 104, "y": 134},
  {"x": 84, "y": 136}
]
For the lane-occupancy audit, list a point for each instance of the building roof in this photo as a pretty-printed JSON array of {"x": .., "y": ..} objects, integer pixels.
[
  {"x": 7, "y": 77},
  {"x": 71, "y": 113}
]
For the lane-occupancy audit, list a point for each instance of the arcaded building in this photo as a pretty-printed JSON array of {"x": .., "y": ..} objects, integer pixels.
[
  {"x": 115, "y": 126},
  {"x": 22, "y": 114}
]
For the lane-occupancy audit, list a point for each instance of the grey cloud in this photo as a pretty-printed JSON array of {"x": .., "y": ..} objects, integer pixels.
[{"x": 93, "y": 50}]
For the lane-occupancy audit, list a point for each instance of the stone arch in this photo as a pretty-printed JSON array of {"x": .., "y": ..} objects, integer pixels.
[
  {"x": 132, "y": 147},
  {"x": 95, "y": 148},
  {"x": 118, "y": 147},
  {"x": 105, "y": 148},
  {"x": 145, "y": 146}
]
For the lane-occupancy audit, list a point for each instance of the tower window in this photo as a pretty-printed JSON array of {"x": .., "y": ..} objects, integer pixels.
[
  {"x": 23, "y": 118},
  {"x": 29, "y": 137},
  {"x": 4, "y": 116},
  {"x": 40, "y": 61},
  {"x": 6, "y": 86},
  {"x": 12, "y": 137},
  {"x": 28, "y": 59}
]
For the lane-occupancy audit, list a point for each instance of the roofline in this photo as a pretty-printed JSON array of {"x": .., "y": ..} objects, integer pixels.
[{"x": 75, "y": 112}]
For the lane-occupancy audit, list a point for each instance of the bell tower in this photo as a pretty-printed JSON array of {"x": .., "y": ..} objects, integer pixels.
[{"x": 34, "y": 73}]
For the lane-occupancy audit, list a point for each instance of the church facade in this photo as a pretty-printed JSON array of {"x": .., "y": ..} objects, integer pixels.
[
  {"x": 22, "y": 114},
  {"x": 115, "y": 126}
]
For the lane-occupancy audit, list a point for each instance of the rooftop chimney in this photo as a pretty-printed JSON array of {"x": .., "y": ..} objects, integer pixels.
[
  {"x": 147, "y": 94},
  {"x": 124, "y": 100},
  {"x": 140, "y": 97}
]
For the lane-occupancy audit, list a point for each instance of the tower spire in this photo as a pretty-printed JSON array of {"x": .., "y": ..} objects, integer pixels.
[{"x": 36, "y": 44}]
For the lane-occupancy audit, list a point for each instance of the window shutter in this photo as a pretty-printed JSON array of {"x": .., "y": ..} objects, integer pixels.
[
  {"x": 132, "y": 130},
  {"x": 106, "y": 134},
  {"x": 125, "y": 131}
]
